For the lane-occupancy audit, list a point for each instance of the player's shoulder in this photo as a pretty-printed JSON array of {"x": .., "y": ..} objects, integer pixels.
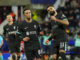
[
  {"x": 5, "y": 25},
  {"x": 22, "y": 23},
  {"x": 35, "y": 22},
  {"x": 59, "y": 14}
]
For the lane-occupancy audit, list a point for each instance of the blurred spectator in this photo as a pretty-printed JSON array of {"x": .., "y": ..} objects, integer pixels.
[
  {"x": 47, "y": 43},
  {"x": 34, "y": 15},
  {"x": 73, "y": 3},
  {"x": 76, "y": 49},
  {"x": 4, "y": 11},
  {"x": 77, "y": 13},
  {"x": 68, "y": 3}
]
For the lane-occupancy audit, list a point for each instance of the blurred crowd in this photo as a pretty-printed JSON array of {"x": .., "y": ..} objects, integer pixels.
[{"x": 72, "y": 12}]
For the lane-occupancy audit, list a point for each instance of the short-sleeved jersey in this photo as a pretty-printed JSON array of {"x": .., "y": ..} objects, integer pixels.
[{"x": 9, "y": 31}]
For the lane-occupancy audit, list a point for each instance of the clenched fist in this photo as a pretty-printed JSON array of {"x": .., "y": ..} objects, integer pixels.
[{"x": 26, "y": 39}]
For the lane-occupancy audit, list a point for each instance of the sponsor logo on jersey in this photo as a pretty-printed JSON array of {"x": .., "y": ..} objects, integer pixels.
[
  {"x": 35, "y": 26},
  {"x": 14, "y": 27},
  {"x": 31, "y": 32}
]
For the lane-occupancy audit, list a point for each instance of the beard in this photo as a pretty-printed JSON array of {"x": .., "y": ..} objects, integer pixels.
[{"x": 28, "y": 18}]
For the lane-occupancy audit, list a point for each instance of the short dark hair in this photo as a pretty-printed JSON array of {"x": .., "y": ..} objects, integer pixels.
[
  {"x": 8, "y": 14},
  {"x": 26, "y": 9},
  {"x": 49, "y": 6}
]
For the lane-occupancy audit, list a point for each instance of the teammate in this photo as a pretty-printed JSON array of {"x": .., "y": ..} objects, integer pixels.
[
  {"x": 11, "y": 33},
  {"x": 1, "y": 43},
  {"x": 30, "y": 30},
  {"x": 58, "y": 23}
]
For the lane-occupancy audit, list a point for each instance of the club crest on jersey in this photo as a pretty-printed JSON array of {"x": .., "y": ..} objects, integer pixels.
[
  {"x": 27, "y": 33},
  {"x": 35, "y": 26}
]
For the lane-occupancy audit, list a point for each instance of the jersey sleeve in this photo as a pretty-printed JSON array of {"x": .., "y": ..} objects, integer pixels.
[{"x": 20, "y": 32}]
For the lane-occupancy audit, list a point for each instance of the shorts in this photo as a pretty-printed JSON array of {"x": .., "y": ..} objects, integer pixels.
[
  {"x": 14, "y": 47},
  {"x": 31, "y": 54},
  {"x": 58, "y": 46}
]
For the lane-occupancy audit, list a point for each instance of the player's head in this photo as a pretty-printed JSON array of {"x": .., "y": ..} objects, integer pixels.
[
  {"x": 27, "y": 13},
  {"x": 9, "y": 18},
  {"x": 51, "y": 10}
]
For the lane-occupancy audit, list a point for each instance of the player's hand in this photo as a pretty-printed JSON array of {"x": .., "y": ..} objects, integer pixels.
[
  {"x": 47, "y": 41},
  {"x": 14, "y": 33},
  {"x": 26, "y": 39},
  {"x": 53, "y": 18}
]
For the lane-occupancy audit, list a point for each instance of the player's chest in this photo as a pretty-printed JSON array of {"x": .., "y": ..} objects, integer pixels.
[
  {"x": 30, "y": 27},
  {"x": 11, "y": 28}
]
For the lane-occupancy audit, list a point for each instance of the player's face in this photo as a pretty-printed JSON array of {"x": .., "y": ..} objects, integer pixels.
[
  {"x": 9, "y": 18},
  {"x": 27, "y": 14},
  {"x": 49, "y": 9}
]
